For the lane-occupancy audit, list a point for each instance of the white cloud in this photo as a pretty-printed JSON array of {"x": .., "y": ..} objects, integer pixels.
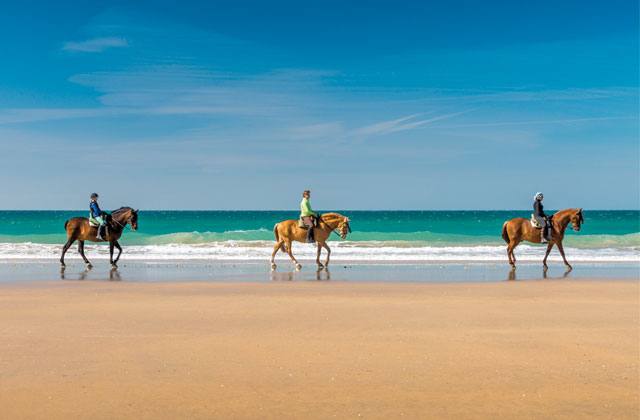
[
  {"x": 401, "y": 124},
  {"x": 96, "y": 44}
]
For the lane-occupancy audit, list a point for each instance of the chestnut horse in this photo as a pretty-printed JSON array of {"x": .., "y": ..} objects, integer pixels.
[
  {"x": 519, "y": 229},
  {"x": 288, "y": 231},
  {"x": 78, "y": 229}
]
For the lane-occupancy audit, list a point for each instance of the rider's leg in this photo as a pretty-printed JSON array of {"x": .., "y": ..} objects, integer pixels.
[
  {"x": 100, "y": 220},
  {"x": 308, "y": 222}
]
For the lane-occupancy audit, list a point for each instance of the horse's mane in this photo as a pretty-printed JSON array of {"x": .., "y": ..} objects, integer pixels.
[
  {"x": 121, "y": 210},
  {"x": 332, "y": 215},
  {"x": 564, "y": 212}
]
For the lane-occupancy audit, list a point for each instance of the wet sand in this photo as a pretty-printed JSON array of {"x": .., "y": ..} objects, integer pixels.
[{"x": 536, "y": 349}]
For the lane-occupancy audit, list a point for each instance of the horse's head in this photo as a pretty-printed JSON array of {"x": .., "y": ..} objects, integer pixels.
[
  {"x": 126, "y": 215},
  {"x": 344, "y": 228},
  {"x": 133, "y": 219},
  {"x": 576, "y": 220}
]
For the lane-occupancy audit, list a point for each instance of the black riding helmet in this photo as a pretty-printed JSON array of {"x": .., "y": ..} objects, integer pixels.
[{"x": 94, "y": 195}]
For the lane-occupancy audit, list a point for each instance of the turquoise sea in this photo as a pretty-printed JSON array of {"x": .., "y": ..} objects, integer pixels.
[{"x": 606, "y": 236}]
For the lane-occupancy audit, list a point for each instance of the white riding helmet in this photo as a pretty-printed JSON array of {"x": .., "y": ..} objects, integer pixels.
[{"x": 538, "y": 196}]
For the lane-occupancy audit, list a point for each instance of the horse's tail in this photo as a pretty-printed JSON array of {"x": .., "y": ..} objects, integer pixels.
[
  {"x": 505, "y": 235},
  {"x": 277, "y": 235}
]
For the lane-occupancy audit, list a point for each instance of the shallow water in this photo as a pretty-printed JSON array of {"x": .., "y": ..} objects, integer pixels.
[{"x": 247, "y": 271}]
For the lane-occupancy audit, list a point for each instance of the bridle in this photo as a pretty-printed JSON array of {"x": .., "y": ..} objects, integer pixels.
[{"x": 335, "y": 229}]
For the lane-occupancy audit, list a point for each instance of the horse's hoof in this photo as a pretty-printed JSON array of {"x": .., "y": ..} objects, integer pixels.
[
  {"x": 114, "y": 265},
  {"x": 273, "y": 266},
  {"x": 320, "y": 266},
  {"x": 298, "y": 267},
  {"x": 89, "y": 266}
]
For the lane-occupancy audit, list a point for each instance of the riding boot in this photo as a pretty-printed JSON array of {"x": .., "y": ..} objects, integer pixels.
[
  {"x": 543, "y": 235},
  {"x": 310, "y": 238},
  {"x": 98, "y": 236}
]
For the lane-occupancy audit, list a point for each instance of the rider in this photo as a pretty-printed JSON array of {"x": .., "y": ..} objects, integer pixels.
[
  {"x": 307, "y": 215},
  {"x": 541, "y": 217},
  {"x": 96, "y": 214}
]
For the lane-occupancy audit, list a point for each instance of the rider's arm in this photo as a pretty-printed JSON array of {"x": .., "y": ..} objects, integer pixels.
[
  {"x": 95, "y": 210},
  {"x": 539, "y": 209}
]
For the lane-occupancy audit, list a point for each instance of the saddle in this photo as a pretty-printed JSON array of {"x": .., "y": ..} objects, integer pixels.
[
  {"x": 535, "y": 222},
  {"x": 301, "y": 224}
]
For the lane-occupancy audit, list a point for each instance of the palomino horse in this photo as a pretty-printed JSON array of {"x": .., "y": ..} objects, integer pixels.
[
  {"x": 78, "y": 228},
  {"x": 519, "y": 229},
  {"x": 288, "y": 231}
]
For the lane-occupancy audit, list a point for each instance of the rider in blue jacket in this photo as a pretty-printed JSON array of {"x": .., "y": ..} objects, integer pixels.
[{"x": 97, "y": 214}]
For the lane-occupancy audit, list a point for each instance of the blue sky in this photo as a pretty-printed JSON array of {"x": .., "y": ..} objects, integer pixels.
[{"x": 372, "y": 104}]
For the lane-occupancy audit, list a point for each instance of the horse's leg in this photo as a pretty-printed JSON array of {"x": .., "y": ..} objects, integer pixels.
[
  {"x": 561, "y": 249},
  {"x": 289, "y": 251},
  {"x": 276, "y": 248},
  {"x": 111, "y": 253},
  {"x": 326, "y": 263},
  {"x": 510, "y": 254},
  {"x": 65, "y": 248},
  {"x": 119, "y": 248},
  {"x": 81, "y": 251},
  {"x": 319, "y": 246},
  {"x": 544, "y": 261}
]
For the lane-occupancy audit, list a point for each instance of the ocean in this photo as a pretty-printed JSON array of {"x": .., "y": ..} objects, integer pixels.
[{"x": 378, "y": 236}]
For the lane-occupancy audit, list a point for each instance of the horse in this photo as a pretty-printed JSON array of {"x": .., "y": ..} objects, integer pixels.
[
  {"x": 79, "y": 229},
  {"x": 288, "y": 231},
  {"x": 519, "y": 229}
]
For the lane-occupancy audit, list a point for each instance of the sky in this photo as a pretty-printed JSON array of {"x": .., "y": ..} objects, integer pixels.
[{"x": 370, "y": 104}]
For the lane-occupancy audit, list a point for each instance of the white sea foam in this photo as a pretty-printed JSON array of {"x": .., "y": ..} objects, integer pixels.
[{"x": 342, "y": 251}]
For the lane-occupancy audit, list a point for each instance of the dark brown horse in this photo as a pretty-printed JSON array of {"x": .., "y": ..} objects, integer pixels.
[
  {"x": 519, "y": 229},
  {"x": 79, "y": 229},
  {"x": 288, "y": 231}
]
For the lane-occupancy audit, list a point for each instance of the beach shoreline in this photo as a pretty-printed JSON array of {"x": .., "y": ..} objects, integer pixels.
[
  {"x": 133, "y": 270},
  {"x": 98, "y": 349}
]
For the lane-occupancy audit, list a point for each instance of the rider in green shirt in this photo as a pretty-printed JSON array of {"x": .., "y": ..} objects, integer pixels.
[{"x": 307, "y": 215}]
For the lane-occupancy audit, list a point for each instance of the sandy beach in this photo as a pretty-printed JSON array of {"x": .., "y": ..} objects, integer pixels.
[{"x": 562, "y": 349}]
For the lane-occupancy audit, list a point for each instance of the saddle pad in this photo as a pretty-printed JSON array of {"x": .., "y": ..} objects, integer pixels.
[{"x": 534, "y": 222}]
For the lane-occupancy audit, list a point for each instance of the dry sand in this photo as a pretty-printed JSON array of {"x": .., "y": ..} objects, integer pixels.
[{"x": 538, "y": 349}]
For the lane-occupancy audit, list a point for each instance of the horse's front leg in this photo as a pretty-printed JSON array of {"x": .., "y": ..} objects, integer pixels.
[
  {"x": 326, "y": 263},
  {"x": 111, "y": 245},
  {"x": 546, "y": 255},
  {"x": 119, "y": 248},
  {"x": 319, "y": 246},
  {"x": 561, "y": 249},
  {"x": 290, "y": 252}
]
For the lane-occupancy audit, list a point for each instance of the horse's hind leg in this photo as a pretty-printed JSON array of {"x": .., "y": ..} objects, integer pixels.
[
  {"x": 65, "y": 248},
  {"x": 81, "y": 251},
  {"x": 510, "y": 254},
  {"x": 276, "y": 248},
  {"x": 289, "y": 251}
]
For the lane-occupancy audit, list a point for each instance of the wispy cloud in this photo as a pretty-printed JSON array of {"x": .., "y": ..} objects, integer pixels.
[
  {"x": 95, "y": 45},
  {"x": 541, "y": 122},
  {"x": 410, "y": 122}
]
